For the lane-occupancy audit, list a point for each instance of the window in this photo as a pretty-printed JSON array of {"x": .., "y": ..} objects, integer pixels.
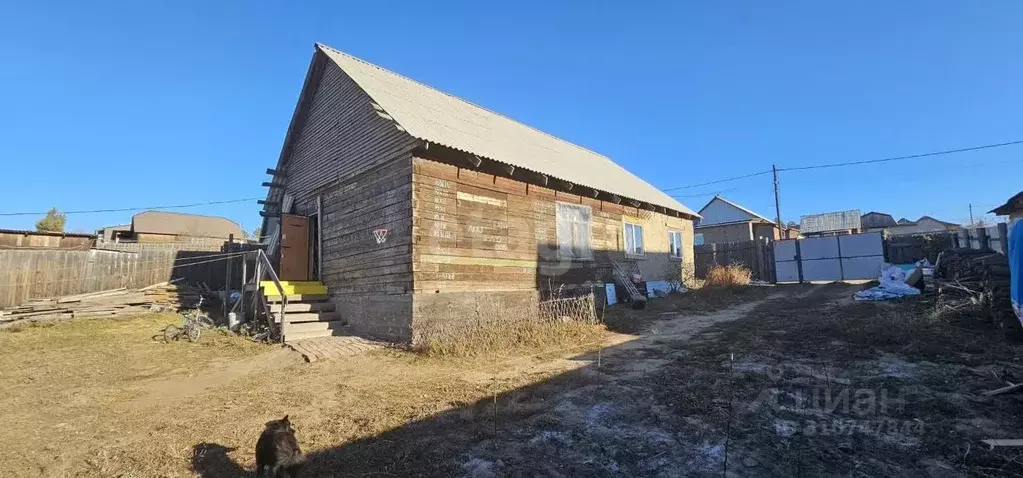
[
  {"x": 633, "y": 239},
  {"x": 698, "y": 239},
  {"x": 675, "y": 244},
  {"x": 574, "y": 231}
]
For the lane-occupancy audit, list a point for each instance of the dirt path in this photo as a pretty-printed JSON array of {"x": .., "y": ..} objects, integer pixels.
[{"x": 168, "y": 391}]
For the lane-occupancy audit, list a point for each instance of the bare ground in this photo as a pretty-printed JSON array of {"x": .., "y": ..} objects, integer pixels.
[{"x": 682, "y": 387}]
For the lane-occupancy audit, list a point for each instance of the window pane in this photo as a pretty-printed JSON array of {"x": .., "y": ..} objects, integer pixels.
[
  {"x": 573, "y": 224},
  {"x": 698, "y": 240},
  {"x": 639, "y": 239},
  {"x": 630, "y": 243}
]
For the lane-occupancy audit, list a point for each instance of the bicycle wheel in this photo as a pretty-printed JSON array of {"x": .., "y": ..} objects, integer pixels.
[
  {"x": 193, "y": 331},
  {"x": 171, "y": 332},
  {"x": 205, "y": 321}
]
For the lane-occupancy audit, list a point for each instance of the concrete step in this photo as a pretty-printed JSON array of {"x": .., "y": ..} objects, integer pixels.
[
  {"x": 301, "y": 317},
  {"x": 294, "y": 298},
  {"x": 307, "y": 330},
  {"x": 294, "y": 307}
]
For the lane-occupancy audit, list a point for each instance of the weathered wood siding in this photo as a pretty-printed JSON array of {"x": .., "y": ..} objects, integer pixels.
[
  {"x": 340, "y": 135},
  {"x": 370, "y": 283},
  {"x": 740, "y": 231},
  {"x": 12, "y": 239},
  {"x": 38, "y": 273},
  {"x": 485, "y": 246}
]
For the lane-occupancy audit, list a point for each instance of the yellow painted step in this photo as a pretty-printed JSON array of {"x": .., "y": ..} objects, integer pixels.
[{"x": 294, "y": 288}]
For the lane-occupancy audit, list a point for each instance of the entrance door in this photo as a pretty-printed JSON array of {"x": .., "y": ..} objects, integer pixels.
[{"x": 294, "y": 247}]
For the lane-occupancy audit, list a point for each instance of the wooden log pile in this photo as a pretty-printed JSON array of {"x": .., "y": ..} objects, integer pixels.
[
  {"x": 109, "y": 303},
  {"x": 977, "y": 277}
]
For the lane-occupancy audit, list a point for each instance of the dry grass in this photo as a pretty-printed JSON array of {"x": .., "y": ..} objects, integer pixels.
[
  {"x": 65, "y": 383},
  {"x": 101, "y": 398},
  {"x": 504, "y": 338},
  {"x": 728, "y": 276}
]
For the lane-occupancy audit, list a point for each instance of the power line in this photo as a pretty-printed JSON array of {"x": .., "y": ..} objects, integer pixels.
[
  {"x": 715, "y": 193},
  {"x": 720, "y": 180},
  {"x": 899, "y": 158},
  {"x": 853, "y": 163},
  {"x": 91, "y": 211}
]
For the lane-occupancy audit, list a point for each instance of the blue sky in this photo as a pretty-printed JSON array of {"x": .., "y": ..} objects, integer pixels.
[{"x": 125, "y": 104}]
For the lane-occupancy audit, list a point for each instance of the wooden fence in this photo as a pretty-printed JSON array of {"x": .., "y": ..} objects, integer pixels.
[
  {"x": 757, "y": 255},
  {"x": 909, "y": 248},
  {"x": 906, "y": 249},
  {"x": 37, "y": 273}
]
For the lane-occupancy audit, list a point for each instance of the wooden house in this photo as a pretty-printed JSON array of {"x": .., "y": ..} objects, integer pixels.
[
  {"x": 724, "y": 221},
  {"x": 414, "y": 213}
]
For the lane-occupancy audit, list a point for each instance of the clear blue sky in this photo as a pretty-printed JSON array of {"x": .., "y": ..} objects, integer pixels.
[{"x": 124, "y": 104}]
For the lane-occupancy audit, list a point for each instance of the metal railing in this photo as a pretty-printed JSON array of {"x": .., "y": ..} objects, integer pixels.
[
  {"x": 265, "y": 268},
  {"x": 626, "y": 281}
]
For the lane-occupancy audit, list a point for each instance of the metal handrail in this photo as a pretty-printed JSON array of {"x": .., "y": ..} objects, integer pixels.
[{"x": 267, "y": 269}]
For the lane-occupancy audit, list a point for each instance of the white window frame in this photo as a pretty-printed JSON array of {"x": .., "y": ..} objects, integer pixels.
[
  {"x": 584, "y": 254},
  {"x": 673, "y": 251},
  {"x": 698, "y": 239},
  {"x": 625, "y": 241}
]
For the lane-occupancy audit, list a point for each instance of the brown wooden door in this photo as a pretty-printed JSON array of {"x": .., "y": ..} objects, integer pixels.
[{"x": 294, "y": 247}]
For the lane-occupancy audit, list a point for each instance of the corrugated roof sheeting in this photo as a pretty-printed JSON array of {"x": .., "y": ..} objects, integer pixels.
[
  {"x": 438, "y": 117},
  {"x": 832, "y": 221}
]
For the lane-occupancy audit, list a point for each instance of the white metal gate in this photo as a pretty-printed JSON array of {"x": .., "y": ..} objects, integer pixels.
[{"x": 829, "y": 258}]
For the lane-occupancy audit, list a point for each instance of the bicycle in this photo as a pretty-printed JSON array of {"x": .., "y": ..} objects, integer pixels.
[{"x": 192, "y": 326}]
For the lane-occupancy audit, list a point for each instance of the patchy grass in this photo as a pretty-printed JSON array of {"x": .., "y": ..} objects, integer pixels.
[
  {"x": 790, "y": 350},
  {"x": 728, "y": 276},
  {"x": 696, "y": 301},
  {"x": 661, "y": 404},
  {"x": 66, "y": 381}
]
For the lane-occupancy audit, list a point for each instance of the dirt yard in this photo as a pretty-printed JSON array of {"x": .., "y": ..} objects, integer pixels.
[{"x": 758, "y": 381}]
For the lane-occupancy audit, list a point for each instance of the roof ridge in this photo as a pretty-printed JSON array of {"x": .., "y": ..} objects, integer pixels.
[
  {"x": 186, "y": 214},
  {"x": 463, "y": 100},
  {"x": 734, "y": 204}
]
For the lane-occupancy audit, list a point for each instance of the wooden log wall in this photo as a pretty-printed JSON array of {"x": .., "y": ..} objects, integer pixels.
[
  {"x": 474, "y": 231},
  {"x": 353, "y": 262}
]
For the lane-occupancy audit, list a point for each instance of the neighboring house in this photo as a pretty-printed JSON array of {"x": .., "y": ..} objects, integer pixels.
[
  {"x": 877, "y": 221},
  {"x": 722, "y": 220},
  {"x": 174, "y": 227},
  {"x": 15, "y": 239},
  {"x": 111, "y": 233},
  {"x": 923, "y": 225},
  {"x": 831, "y": 224},
  {"x": 1012, "y": 208},
  {"x": 425, "y": 215},
  {"x": 902, "y": 221}
]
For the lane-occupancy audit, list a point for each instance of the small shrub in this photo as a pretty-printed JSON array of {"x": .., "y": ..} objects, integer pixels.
[{"x": 728, "y": 276}]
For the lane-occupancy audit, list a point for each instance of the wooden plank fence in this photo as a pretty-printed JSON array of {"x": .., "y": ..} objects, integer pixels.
[
  {"x": 39, "y": 273},
  {"x": 757, "y": 255},
  {"x": 909, "y": 248}
]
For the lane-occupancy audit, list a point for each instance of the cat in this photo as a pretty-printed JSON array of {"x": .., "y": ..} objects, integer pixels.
[{"x": 277, "y": 451}]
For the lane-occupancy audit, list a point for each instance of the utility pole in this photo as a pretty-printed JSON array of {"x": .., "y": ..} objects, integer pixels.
[
  {"x": 777, "y": 202},
  {"x": 971, "y": 214}
]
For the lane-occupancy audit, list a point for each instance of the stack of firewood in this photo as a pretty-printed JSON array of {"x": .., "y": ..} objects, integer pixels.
[
  {"x": 109, "y": 303},
  {"x": 979, "y": 277}
]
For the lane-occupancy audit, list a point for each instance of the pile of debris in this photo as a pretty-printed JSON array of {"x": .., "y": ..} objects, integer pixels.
[
  {"x": 977, "y": 279},
  {"x": 109, "y": 303}
]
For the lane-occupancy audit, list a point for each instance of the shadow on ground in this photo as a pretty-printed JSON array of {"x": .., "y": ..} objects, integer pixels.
[{"x": 732, "y": 397}]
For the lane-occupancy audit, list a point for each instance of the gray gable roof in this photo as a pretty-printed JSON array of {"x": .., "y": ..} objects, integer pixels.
[{"x": 437, "y": 117}]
